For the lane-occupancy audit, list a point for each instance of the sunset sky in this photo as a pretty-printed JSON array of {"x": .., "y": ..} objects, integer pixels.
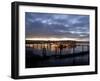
[{"x": 58, "y": 26}]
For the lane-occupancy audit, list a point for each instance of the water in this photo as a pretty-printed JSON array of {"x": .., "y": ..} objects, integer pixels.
[
  {"x": 37, "y": 56},
  {"x": 56, "y": 51}
]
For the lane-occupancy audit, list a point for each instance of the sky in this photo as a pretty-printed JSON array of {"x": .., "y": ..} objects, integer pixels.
[{"x": 53, "y": 25}]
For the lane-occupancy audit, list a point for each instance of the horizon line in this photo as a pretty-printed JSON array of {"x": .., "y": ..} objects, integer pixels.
[{"x": 56, "y": 39}]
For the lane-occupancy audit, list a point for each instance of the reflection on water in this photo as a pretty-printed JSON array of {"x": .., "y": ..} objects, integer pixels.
[
  {"x": 52, "y": 49},
  {"x": 49, "y": 54}
]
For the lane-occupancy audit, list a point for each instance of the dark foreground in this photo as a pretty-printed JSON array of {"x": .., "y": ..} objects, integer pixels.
[{"x": 33, "y": 61}]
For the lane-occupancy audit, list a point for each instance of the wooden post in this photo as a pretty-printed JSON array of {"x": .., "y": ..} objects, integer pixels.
[
  {"x": 33, "y": 48},
  {"x": 44, "y": 52},
  {"x": 49, "y": 46}
]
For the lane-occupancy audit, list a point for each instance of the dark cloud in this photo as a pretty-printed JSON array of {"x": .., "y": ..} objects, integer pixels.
[{"x": 56, "y": 25}]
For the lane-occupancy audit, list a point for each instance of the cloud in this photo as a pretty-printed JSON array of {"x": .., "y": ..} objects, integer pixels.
[{"x": 56, "y": 25}]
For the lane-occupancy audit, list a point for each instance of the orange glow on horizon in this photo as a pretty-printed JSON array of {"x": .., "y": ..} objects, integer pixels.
[
  {"x": 57, "y": 39},
  {"x": 54, "y": 39}
]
